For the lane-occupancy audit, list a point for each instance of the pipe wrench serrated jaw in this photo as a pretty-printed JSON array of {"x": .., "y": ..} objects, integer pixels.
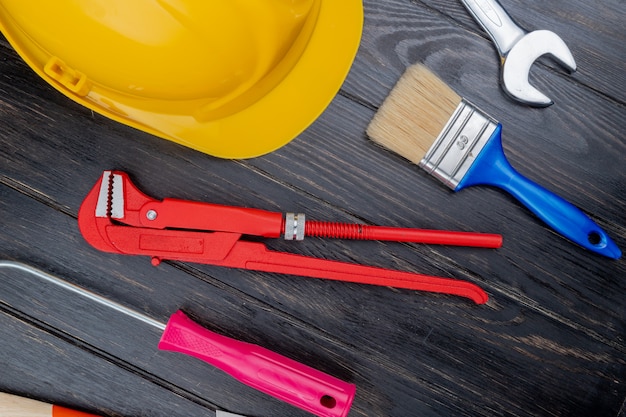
[
  {"x": 111, "y": 196},
  {"x": 111, "y": 199},
  {"x": 94, "y": 215}
]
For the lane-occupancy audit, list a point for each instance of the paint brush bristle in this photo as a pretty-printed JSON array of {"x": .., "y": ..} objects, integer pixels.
[{"x": 414, "y": 114}]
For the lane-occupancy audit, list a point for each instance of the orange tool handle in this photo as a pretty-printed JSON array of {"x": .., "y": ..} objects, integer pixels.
[{"x": 14, "y": 406}]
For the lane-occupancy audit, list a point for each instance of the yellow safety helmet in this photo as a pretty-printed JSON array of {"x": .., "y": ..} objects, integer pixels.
[{"x": 231, "y": 78}]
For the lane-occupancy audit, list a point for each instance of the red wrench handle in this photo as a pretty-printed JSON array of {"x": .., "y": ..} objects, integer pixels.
[
  {"x": 134, "y": 208},
  {"x": 255, "y": 256},
  {"x": 398, "y": 234},
  {"x": 225, "y": 249},
  {"x": 193, "y": 215}
]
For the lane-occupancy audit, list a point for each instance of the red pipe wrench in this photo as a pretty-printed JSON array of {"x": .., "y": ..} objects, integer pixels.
[{"x": 116, "y": 217}]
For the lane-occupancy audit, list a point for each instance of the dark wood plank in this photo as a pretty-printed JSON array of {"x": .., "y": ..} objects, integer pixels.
[
  {"x": 550, "y": 341},
  {"x": 40, "y": 365},
  {"x": 449, "y": 260},
  {"x": 592, "y": 31},
  {"x": 419, "y": 200},
  {"x": 429, "y": 31},
  {"x": 439, "y": 333}
]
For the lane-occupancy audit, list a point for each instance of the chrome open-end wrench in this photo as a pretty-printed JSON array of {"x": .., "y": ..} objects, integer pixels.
[{"x": 519, "y": 49}]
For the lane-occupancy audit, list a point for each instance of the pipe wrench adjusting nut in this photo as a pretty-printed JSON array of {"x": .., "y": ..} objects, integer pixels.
[{"x": 294, "y": 226}]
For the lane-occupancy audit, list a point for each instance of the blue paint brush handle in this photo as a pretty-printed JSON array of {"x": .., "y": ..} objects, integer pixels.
[{"x": 492, "y": 168}]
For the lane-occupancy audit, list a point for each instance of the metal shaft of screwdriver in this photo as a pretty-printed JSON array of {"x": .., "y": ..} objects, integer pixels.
[{"x": 82, "y": 292}]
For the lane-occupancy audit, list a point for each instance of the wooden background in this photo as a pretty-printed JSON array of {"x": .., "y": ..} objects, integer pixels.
[{"x": 550, "y": 342}]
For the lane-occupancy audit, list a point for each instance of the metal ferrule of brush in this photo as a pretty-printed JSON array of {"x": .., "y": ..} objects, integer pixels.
[{"x": 458, "y": 144}]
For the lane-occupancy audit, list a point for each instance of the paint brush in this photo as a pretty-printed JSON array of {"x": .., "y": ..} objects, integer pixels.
[{"x": 426, "y": 122}]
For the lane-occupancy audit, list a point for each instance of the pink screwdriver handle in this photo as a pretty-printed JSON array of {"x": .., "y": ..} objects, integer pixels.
[{"x": 260, "y": 368}]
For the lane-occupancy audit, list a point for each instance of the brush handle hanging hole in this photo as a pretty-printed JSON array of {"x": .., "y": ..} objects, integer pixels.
[{"x": 595, "y": 238}]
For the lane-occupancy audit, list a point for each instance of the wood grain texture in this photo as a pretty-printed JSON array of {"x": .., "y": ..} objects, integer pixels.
[{"x": 550, "y": 342}]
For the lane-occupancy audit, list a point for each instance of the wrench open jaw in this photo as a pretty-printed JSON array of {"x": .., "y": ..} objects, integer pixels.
[
  {"x": 516, "y": 65},
  {"x": 116, "y": 217},
  {"x": 519, "y": 50}
]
